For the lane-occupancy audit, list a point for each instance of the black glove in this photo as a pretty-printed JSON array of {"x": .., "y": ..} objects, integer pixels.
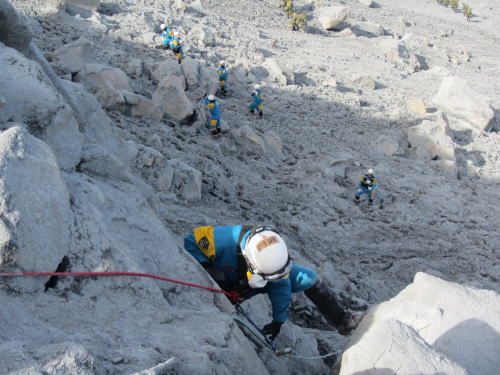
[{"x": 272, "y": 329}]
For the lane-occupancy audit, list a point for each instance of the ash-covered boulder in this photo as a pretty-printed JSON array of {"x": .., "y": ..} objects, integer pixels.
[
  {"x": 431, "y": 141},
  {"x": 457, "y": 99},
  {"x": 273, "y": 142},
  {"x": 186, "y": 180},
  {"x": 202, "y": 35},
  {"x": 76, "y": 55},
  {"x": 14, "y": 29},
  {"x": 278, "y": 72},
  {"x": 33, "y": 100},
  {"x": 79, "y": 6},
  {"x": 432, "y": 326},
  {"x": 170, "y": 98},
  {"x": 248, "y": 141},
  {"x": 332, "y": 17},
  {"x": 164, "y": 69},
  {"x": 34, "y": 207}
]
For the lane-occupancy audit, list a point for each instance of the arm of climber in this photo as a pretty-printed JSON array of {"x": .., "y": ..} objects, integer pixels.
[{"x": 280, "y": 294}]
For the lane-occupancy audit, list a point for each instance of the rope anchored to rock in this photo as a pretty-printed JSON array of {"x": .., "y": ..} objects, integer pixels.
[{"x": 233, "y": 296}]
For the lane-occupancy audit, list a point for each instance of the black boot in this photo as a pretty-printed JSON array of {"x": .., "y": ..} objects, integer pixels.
[
  {"x": 327, "y": 304},
  {"x": 260, "y": 114}
]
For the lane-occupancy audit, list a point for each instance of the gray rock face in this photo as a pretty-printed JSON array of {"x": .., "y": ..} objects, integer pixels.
[
  {"x": 36, "y": 102},
  {"x": 171, "y": 98},
  {"x": 75, "y": 56},
  {"x": 14, "y": 30},
  {"x": 202, "y": 35},
  {"x": 431, "y": 140},
  {"x": 35, "y": 212},
  {"x": 400, "y": 56},
  {"x": 186, "y": 181},
  {"x": 249, "y": 141},
  {"x": 457, "y": 99}
]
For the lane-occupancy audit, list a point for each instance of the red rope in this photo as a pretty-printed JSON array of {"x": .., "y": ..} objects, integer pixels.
[{"x": 229, "y": 294}]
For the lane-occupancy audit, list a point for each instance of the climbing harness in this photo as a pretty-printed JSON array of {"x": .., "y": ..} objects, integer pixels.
[{"x": 242, "y": 319}]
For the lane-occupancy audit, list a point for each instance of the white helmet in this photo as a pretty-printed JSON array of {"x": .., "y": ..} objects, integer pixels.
[
  {"x": 211, "y": 98},
  {"x": 370, "y": 171},
  {"x": 256, "y": 86},
  {"x": 267, "y": 257},
  {"x": 222, "y": 63},
  {"x": 163, "y": 26},
  {"x": 176, "y": 33}
]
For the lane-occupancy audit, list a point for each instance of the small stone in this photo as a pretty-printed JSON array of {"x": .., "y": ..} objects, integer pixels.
[{"x": 417, "y": 106}]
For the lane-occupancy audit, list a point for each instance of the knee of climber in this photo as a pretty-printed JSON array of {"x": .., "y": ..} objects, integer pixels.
[{"x": 213, "y": 122}]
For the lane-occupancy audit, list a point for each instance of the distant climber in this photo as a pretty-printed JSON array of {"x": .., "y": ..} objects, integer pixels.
[
  {"x": 167, "y": 34},
  {"x": 177, "y": 45},
  {"x": 367, "y": 185},
  {"x": 250, "y": 261},
  {"x": 215, "y": 117},
  {"x": 258, "y": 100},
  {"x": 222, "y": 73}
]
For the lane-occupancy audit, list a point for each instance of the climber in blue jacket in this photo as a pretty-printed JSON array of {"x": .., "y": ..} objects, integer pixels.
[
  {"x": 367, "y": 185},
  {"x": 257, "y": 100},
  {"x": 222, "y": 73},
  {"x": 250, "y": 261},
  {"x": 177, "y": 45},
  {"x": 168, "y": 35},
  {"x": 215, "y": 117}
]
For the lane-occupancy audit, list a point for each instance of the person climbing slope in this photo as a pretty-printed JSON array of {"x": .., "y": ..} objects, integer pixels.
[
  {"x": 177, "y": 46},
  {"x": 367, "y": 185},
  {"x": 215, "y": 116},
  {"x": 258, "y": 100},
  {"x": 222, "y": 73},
  {"x": 167, "y": 34},
  {"x": 251, "y": 261}
]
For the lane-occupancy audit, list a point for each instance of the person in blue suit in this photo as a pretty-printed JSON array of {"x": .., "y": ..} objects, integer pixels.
[
  {"x": 367, "y": 185},
  {"x": 250, "y": 261},
  {"x": 215, "y": 117},
  {"x": 177, "y": 45},
  {"x": 168, "y": 34},
  {"x": 257, "y": 100},
  {"x": 222, "y": 73}
]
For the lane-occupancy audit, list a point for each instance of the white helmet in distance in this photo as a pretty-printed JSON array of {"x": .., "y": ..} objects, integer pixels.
[
  {"x": 256, "y": 86},
  {"x": 222, "y": 63},
  {"x": 211, "y": 98},
  {"x": 176, "y": 33},
  {"x": 267, "y": 257},
  {"x": 370, "y": 171},
  {"x": 163, "y": 27}
]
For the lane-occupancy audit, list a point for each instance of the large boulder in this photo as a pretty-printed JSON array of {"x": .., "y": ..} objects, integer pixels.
[
  {"x": 34, "y": 207},
  {"x": 273, "y": 142},
  {"x": 332, "y": 17},
  {"x": 108, "y": 84},
  {"x": 278, "y": 72},
  {"x": 248, "y": 141},
  {"x": 457, "y": 99},
  {"x": 75, "y": 56},
  {"x": 164, "y": 69},
  {"x": 14, "y": 29},
  {"x": 202, "y": 35},
  {"x": 431, "y": 140},
  {"x": 186, "y": 181},
  {"x": 78, "y": 6},
  {"x": 170, "y": 98},
  {"x": 35, "y": 101},
  {"x": 432, "y": 326}
]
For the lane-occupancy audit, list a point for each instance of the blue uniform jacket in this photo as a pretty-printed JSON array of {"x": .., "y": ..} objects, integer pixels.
[
  {"x": 223, "y": 256},
  {"x": 258, "y": 98},
  {"x": 167, "y": 35},
  {"x": 221, "y": 72},
  {"x": 214, "y": 110}
]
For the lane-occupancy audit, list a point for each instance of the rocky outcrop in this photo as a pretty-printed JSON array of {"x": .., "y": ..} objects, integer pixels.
[
  {"x": 14, "y": 29},
  {"x": 431, "y": 141},
  {"x": 400, "y": 56},
  {"x": 34, "y": 207},
  {"x": 278, "y": 72},
  {"x": 33, "y": 100},
  {"x": 332, "y": 17},
  {"x": 470, "y": 109},
  {"x": 432, "y": 326},
  {"x": 75, "y": 56},
  {"x": 202, "y": 35},
  {"x": 170, "y": 98}
]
